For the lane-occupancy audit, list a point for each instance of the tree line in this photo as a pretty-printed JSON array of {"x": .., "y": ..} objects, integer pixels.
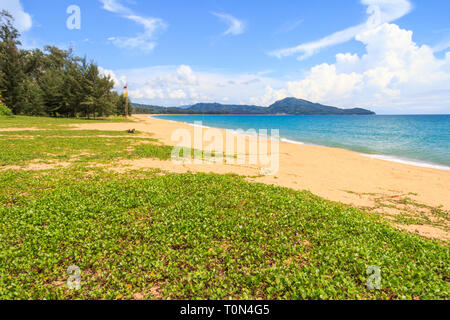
[{"x": 52, "y": 82}]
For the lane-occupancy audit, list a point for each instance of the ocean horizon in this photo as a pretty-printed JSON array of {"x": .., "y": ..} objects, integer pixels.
[{"x": 422, "y": 140}]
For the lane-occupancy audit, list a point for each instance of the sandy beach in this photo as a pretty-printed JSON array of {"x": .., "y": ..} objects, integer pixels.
[{"x": 379, "y": 186}]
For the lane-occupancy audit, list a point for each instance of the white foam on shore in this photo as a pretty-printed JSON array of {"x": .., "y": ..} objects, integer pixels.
[
  {"x": 199, "y": 126},
  {"x": 416, "y": 163},
  {"x": 406, "y": 161},
  {"x": 191, "y": 124},
  {"x": 292, "y": 141}
]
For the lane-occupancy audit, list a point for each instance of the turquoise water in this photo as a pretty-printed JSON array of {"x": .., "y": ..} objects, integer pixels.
[{"x": 420, "y": 139}]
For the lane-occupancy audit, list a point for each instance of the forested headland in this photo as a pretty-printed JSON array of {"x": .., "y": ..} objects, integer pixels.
[{"x": 52, "y": 82}]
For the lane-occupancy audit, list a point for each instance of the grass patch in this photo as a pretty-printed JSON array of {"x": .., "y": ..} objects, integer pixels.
[
  {"x": 68, "y": 133},
  {"x": 22, "y": 147},
  {"x": 48, "y": 122},
  {"x": 199, "y": 237},
  {"x": 153, "y": 151},
  {"x": 413, "y": 212},
  {"x": 163, "y": 152},
  {"x": 22, "y": 151}
]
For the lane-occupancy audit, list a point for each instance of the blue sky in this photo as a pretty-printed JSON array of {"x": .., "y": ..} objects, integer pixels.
[{"x": 390, "y": 56}]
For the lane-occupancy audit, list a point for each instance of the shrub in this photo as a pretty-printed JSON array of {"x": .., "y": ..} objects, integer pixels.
[{"x": 5, "y": 111}]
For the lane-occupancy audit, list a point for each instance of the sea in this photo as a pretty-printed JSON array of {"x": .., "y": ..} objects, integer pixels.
[{"x": 422, "y": 140}]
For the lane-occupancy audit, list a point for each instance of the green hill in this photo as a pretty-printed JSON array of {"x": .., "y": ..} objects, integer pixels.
[
  {"x": 290, "y": 106},
  {"x": 299, "y": 106}
]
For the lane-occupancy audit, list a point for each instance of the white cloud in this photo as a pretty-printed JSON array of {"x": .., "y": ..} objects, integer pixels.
[
  {"x": 186, "y": 75},
  {"x": 443, "y": 45},
  {"x": 379, "y": 11},
  {"x": 235, "y": 26},
  {"x": 23, "y": 21},
  {"x": 181, "y": 85},
  {"x": 177, "y": 94},
  {"x": 183, "y": 76},
  {"x": 147, "y": 94},
  {"x": 143, "y": 41},
  {"x": 119, "y": 82},
  {"x": 115, "y": 6},
  {"x": 289, "y": 26},
  {"x": 270, "y": 96},
  {"x": 395, "y": 75}
]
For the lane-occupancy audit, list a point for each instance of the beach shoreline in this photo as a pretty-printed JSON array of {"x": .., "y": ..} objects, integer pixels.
[
  {"x": 384, "y": 157},
  {"x": 332, "y": 173}
]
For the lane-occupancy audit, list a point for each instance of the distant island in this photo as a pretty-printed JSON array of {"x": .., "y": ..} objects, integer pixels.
[{"x": 288, "y": 106}]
